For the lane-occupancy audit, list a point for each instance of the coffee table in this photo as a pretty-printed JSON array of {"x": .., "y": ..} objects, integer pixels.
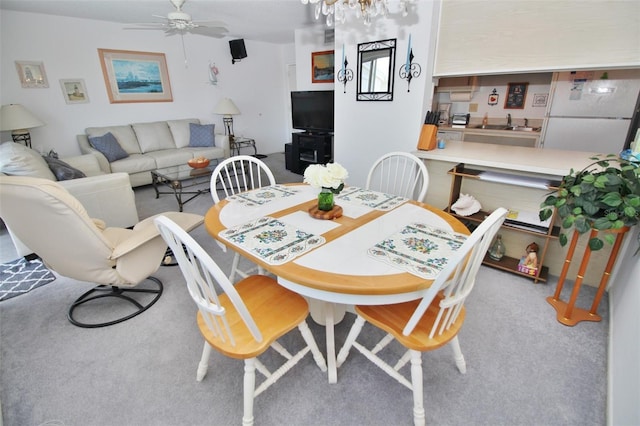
[{"x": 182, "y": 177}]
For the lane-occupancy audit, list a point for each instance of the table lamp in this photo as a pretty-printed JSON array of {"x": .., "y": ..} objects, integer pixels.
[
  {"x": 227, "y": 109},
  {"x": 19, "y": 120}
]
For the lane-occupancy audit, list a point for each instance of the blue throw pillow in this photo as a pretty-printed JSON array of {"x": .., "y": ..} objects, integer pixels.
[
  {"x": 201, "y": 135},
  {"x": 108, "y": 145}
]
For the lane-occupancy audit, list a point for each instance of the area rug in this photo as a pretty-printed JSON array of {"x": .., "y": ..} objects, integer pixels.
[{"x": 21, "y": 276}]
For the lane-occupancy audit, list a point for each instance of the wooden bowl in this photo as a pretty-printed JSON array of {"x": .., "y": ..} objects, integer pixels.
[{"x": 197, "y": 165}]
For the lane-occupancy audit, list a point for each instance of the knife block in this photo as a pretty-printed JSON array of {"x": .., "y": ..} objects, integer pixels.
[{"x": 427, "y": 140}]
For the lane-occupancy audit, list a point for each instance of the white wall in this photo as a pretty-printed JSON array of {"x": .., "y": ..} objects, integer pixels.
[
  {"x": 68, "y": 49},
  {"x": 624, "y": 346},
  {"x": 364, "y": 130}
]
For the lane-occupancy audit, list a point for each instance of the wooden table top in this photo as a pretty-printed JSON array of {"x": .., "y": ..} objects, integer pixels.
[{"x": 324, "y": 279}]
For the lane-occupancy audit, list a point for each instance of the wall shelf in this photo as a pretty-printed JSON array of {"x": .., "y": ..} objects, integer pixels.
[{"x": 509, "y": 264}]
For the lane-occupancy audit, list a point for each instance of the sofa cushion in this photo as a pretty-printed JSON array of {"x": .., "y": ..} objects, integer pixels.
[
  {"x": 109, "y": 147},
  {"x": 62, "y": 170},
  {"x": 134, "y": 163},
  {"x": 153, "y": 136},
  {"x": 180, "y": 131},
  {"x": 202, "y": 135},
  {"x": 18, "y": 160},
  {"x": 170, "y": 157},
  {"x": 125, "y": 136}
]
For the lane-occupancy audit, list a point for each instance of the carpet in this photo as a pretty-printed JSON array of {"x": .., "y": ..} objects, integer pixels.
[{"x": 21, "y": 276}]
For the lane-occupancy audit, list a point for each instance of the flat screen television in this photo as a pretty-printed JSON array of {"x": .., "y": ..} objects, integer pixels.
[{"x": 312, "y": 111}]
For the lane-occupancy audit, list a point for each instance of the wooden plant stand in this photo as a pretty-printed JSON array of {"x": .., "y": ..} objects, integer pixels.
[{"x": 568, "y": 314}]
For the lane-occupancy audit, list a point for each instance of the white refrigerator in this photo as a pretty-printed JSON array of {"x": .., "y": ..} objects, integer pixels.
[{"x": 591, "y": 110}]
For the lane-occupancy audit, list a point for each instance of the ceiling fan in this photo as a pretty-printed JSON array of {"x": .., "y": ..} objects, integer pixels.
[{"x": 179, "y": 22}]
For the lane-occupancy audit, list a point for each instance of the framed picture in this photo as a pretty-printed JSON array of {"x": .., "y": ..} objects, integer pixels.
[
  {"x": 516, "y": 95},
  {"x": 540, "y": 99},
  {"x": 135, "y": 76},
  {"x": 322, "y": 67},
  {"x": 32, "y": 74},
  {"x": 74, "y": 91}
]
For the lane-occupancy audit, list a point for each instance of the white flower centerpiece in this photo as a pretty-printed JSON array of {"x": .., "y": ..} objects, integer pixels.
[{"x": 329, "y": 179}]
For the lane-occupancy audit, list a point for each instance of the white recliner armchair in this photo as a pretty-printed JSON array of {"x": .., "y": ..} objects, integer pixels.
[
  {"x": 55, "y": 225},
  {"x": 105, "y": 196}
]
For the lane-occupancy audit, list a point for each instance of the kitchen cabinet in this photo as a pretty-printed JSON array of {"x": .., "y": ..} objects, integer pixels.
[
  {"x": 449, "y": 135},
  {"x": 506, "y": 137},
  {"x": 457, "y": 84},
  {"x": 541, "y": 236}
]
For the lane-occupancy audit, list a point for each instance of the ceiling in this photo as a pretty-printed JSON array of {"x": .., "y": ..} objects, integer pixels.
[{"x": 272, "y": 21}]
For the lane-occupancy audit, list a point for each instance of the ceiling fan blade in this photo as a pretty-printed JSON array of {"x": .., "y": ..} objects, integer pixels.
[
  {"x": 144, "y": 28},
  {"x": 210, "y": 23},
  {"x": 217, "y": 32}
]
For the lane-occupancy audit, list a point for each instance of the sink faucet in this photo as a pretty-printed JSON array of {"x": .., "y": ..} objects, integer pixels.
[
  {"x": 509, "y": 120},
  {"x": 526, "y": 122}
]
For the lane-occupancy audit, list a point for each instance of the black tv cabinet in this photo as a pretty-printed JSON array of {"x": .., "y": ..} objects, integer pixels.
[{"x": 310, "y": 148}]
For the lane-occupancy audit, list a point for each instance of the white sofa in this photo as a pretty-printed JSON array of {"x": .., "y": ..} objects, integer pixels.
[
  {"x": 151, "y": 146},
  {"x": 108, "y": 197}
]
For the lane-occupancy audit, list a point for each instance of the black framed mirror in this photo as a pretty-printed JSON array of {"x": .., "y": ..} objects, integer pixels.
[{"x": 376, "y": 62}]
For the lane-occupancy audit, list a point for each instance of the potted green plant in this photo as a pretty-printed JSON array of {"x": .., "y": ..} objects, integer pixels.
[{"x": 605, "y": 195}]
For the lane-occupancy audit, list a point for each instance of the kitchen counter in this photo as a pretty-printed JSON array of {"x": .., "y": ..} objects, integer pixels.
[{"x": 552, "y": 162}]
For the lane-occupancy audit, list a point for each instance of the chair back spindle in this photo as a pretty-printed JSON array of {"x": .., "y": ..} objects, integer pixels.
[{"x": 399, "y": 173}]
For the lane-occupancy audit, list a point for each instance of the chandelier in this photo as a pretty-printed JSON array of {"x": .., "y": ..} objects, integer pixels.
[{"x": 335, "y": 10}]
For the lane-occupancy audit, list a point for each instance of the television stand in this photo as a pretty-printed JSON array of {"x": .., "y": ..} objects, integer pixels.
[{"x": 310, "y": 148}]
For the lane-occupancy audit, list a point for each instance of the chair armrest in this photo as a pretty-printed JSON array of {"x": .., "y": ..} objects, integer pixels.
[
  {"x": 108, "y": 197},
  {"x": 87, "y": 163},
  {"x": 146, "y": 231},
  {"x": 222, "y": 141},
  {"x": 86, "y": 148}
]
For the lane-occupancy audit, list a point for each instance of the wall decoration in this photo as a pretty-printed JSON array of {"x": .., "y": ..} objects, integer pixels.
[
  {"x": 32, "y": 74},
  {"x": 540, "y": 99},
  {"x": 516, "y": 95},
  {"x": 493, "y": 97},
  {"x": 213, "y": 74},
  {"x": 376, "y": 65},
  {"x": 322, "y": 67},
  {"x": 135, "y": 76},
  {"x": 344, "y": 74},
  {"x": 74, "y": 91},
  {"x": 410, "y": 69}
]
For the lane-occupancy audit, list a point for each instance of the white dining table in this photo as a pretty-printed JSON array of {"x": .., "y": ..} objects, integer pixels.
[{"x": 339, "y": 270}]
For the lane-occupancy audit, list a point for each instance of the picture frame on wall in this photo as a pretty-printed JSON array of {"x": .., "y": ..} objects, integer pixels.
[
  {"x": 131, "y": 76},
  {"x": 516, "y": 95},
  {"x": 74, "y": 91},
  {"x": 32, "y": 74},
  {"x": 322, "y": 67}
]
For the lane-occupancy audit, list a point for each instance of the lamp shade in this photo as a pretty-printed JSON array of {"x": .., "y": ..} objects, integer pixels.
[
  {"x": 226, "y": 107},
  {"x": 17, "y": 117}
]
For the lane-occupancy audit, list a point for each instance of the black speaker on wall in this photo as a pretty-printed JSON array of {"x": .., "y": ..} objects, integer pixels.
[{"x": 238, "y": 50}]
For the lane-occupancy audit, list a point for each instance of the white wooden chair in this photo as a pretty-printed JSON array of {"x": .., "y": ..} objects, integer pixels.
[
  {"x": 243, "y": 320},
  {"x": 428, "y": 323},
  {"x": 234, "y": 175},
  {"x": 399, "y": 173}
]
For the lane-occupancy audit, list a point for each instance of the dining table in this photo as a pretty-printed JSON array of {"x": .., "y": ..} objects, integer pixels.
[{"x": 381, "y": 248}]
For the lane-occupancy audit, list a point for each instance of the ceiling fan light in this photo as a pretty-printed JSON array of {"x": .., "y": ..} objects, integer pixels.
[{"x": 178, "y": 16}]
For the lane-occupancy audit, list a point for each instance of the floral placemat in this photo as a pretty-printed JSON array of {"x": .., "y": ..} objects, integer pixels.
[
  {"x": 418, "y": 249},
  {"x": 262, "y": 195},
  {"x": 272, "y": 240},
  {"x": 374, "y": 199}
]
